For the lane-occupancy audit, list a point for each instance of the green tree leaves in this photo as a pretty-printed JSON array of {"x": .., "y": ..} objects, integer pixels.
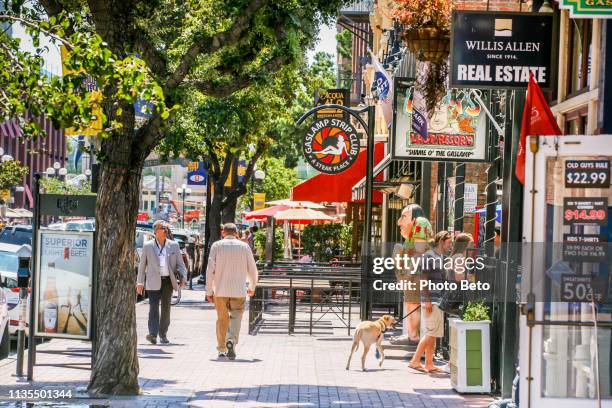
[{"x": 11, "y": 174}]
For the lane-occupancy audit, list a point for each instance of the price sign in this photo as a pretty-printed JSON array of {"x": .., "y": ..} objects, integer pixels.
[
  {"x": 585, "y": 211},
  {"x": 585, "y": 248},
  {"x": 587, "y": 173},
  {"x": 576, "y": 288}
]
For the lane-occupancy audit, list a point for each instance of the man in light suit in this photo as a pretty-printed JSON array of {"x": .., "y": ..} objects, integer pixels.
[{"x": 160, "y": 260}]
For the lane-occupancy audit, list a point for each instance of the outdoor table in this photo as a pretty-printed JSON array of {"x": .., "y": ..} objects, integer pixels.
[{"x": 293, "y": 285}]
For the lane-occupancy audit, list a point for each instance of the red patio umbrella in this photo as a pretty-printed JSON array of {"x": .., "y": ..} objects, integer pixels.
[{"x": 264, "y": 213}]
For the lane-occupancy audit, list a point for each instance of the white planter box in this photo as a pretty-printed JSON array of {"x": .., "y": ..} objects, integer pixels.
[{"x": 470, "y": 356}]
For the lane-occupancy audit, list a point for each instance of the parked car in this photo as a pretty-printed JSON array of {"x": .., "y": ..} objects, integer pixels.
[
  {"x": 9, "y": 263},
  {"x": 77, "y": 225},
  {"x": 16, "y": 235},
  {"x": 5, "y": 341}
]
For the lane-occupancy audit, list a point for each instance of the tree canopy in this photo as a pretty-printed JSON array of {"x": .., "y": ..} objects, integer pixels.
[{"x": 158, "y": 51}]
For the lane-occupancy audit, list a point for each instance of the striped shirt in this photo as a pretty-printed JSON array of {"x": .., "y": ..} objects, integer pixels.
[{"x": 230, "y": 265}]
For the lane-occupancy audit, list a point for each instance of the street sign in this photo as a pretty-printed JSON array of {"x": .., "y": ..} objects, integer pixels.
[
  {"x": 470, "y": 197},
  {"x": 61, "y": 205},
  {"x": 196, "y": 174},
  {"x": 181, "y": 161},
  {"x": 587, "y": 173},
  {"x": 332, "y": 97},
  {"x": 500, "y": 49},
  {"x": 456, "y": 131},
  {"x": 64, "y": 272},
  {"x": 259, "y": 201},
  {"x": 331, "y": 145},
  {"x": 587, "y": 8}
]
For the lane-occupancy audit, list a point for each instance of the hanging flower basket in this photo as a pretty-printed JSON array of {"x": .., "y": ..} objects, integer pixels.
[{"x": 428, "y": 43}]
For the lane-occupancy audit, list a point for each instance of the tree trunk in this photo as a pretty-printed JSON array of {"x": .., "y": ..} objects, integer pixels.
[
  {"x": 229, "y": 210},
  {"x": 214, "y": 221},
  {"x": 115, "y": 368}
]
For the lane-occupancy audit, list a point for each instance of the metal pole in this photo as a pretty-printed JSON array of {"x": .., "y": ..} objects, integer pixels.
[
  {"x": 366, "y": 300},
  {"x": 207, "y": 225},
  {"x": 459, "y": 196},
  {"x": 33, "y": 299},
  {"x": 183, "y": 209},
  {"x": 23, "y": 299}
]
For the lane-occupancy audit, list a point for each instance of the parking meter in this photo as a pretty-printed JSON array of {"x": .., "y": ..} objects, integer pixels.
[
  {"x": 23, "y": 282},
  {"x": 23, "y": 273}
]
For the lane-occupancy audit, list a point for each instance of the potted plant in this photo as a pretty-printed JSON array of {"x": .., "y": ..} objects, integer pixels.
[
  {"x": 470, "y": 349},
  {"x": 427, "y": 36},
  {"x": 427, "y": 24}
]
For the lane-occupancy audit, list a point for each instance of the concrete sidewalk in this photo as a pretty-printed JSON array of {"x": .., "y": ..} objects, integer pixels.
[{"x": 271, "y": 370}]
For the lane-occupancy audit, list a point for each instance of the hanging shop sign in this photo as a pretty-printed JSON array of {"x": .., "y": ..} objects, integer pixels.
[
  {"x": 585, "y": 211},
  {"x": 587, "y": 8},
  {"x": 331, "y": 145},
  {"x": 332, "y": 97},
  {"x": 499, "y": 49},
  {"x": 455, "y": 132},
  {"x": 64, "y": 284},
  {"x": 470, "y": 197},
  {"x": 587, "y": 173}
]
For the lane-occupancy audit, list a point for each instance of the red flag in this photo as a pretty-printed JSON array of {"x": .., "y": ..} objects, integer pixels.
[{"x": 537, "y": 120}]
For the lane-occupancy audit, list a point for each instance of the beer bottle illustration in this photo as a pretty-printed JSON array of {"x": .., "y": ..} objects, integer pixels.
[{"x": 50, "y": 311}]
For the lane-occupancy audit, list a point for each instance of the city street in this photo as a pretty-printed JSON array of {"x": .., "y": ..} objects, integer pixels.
[{"x": 271, "y": 370}]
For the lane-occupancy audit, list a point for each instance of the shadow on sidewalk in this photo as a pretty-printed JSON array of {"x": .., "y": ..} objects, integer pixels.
[{"x": 323, "y": 396}]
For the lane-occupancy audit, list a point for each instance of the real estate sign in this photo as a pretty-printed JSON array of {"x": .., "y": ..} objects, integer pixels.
[{"x": 500, "y": 50}]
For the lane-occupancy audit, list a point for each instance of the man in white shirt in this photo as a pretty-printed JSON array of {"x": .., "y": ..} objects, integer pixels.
[{"x": 230, "y": 265}]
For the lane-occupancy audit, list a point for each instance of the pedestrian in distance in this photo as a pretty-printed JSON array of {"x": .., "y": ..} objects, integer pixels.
[
  {"x": 160, "y": 261},
  {"x": 230, "y": 266}
]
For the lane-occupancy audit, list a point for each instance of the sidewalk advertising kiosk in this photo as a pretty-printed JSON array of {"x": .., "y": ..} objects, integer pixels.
[{"x": 566, "y": 324}]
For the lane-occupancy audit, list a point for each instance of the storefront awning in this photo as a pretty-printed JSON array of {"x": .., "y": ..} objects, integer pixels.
[
  {"x": 336, "y": 188},
  {"x": 401, "y": 172}
]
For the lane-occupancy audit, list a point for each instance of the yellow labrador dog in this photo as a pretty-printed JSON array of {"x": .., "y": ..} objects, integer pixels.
[{"x": 369, "y": 333}]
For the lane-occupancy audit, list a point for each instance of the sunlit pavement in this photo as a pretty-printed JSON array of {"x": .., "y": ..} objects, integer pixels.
[{"x": 271, "y": 370}]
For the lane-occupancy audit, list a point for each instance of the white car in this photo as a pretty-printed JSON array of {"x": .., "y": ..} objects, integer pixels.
[
  {"x": 9, "y": 263},
  {"x": 4, "y": 327}
]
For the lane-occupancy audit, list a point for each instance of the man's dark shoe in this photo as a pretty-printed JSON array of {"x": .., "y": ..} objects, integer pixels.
[
  {"x": 231, "y": 353},
  {"x": 163, "y": 340},
  {"x": 151, "y": 339}
]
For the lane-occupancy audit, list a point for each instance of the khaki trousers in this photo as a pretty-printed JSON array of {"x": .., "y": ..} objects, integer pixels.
[{"x": 229, "y": 318}]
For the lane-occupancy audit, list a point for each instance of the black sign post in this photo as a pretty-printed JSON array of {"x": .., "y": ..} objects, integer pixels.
[
  {"x": 366, "y": 292},
  {"x": 57, "y": 205},
  {"x": 500, "y": 49}
]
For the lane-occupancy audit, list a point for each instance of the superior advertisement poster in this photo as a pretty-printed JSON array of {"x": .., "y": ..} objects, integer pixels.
[
  {"x": 456, "y": 131},
  {"x": 500, "y": 50},
  {"x": 64, "y": 271}
]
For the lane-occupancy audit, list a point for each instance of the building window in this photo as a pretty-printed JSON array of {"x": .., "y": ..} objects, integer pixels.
[
  {"x": 576, "y": 122},
  {"x": 579, "y": 61},
  {"x": 145, "y": 205}
]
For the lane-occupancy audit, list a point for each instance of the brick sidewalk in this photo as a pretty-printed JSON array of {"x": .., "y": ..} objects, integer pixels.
[{"x": 272, "y": 370}]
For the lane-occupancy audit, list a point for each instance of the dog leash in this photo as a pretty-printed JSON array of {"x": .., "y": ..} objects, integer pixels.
[{"x": 408, "y": 314}]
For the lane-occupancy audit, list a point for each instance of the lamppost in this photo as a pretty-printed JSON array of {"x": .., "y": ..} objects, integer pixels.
[
  {"x": 258, "y": 176},
  {"x": 57, "y": 171},
  {"x": 182, "y": 192}
]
